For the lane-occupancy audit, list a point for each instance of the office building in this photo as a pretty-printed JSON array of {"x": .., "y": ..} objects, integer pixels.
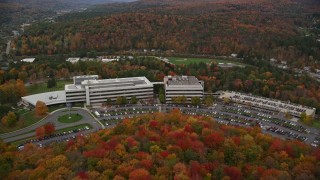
[
  {"x": 188, "y": 86},
  {"x": 92, "y": 90},
  {"x": 269, "y": 104}
]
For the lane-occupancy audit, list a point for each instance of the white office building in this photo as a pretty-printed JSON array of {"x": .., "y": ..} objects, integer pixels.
[
  {"x": 28, "y": 60},
  {"x": 92, "y": 90},
  {"x": 269, "y": 104},
  {"x": 188, "y": 86},
  {"x": 73, "y": 59}
]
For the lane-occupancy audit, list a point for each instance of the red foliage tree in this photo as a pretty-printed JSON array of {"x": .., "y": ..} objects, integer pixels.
[
  {"x": 146, "y": 163},
  {"x": 40, "y": 132},
  {"x": 111, "y": 144},
  {"x": 211, "y": 166},
  {"x": 195, "y": 170},
  {"x": 188, "y": 128},
  {"x": 131, "y": 142},
  {"x": 276, "y": 145},
  {"x": 139, "y": 174},
  {"x": 98, "y": 153},
  {"x": 214, "y": 139},
  {"x": 153, "y": 123},
  {"x": 164, "y": 154},
  {"x": 316, "y": 153},
  {"x": 233, "y": 172},
  {"x": 49, "y": 128},
  {"x": 82, "y": 175},
  {"x": 236, "y": 140},
  {"x": 289, "y": 150}
]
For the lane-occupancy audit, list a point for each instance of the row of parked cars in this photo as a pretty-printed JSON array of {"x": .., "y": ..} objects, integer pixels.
[
  {"x": 287, "y": 133},
  {"x": 38, "y": 140},
  {"x": 267, "y": 118}
]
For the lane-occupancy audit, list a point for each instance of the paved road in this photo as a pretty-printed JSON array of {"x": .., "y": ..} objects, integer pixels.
[
  {"x": 219, "y": 112},
  {"x": 8, "y": 47},
  {"x": 53, "y": 118}
]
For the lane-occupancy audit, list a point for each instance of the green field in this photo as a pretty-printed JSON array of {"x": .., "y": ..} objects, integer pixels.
[
  {"x": 70, "y": 118},
  {"x": 42, "y": 87},
  {"x": 26, "y": 119},
  {"x": 56, "y": 107},
  {"x": 316, "y": 124},
  {"x": 186, "y": 61},
  {"x": 21, "y": 141}
]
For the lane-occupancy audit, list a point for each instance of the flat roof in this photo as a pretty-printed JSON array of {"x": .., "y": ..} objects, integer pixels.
[
  {"x": 86, "y": 76},
  {"x": 49, "y": 98},
  {"x": 274, "y": 104},
  {"x": 28, "y": 60},
  {"x": 131, "y": 81},
  {"x": 73, "y": 59},
  {"x": 181, "y": 80}
]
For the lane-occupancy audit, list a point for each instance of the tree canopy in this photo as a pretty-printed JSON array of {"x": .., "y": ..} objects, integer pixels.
[{"x": 166, "y": 146}]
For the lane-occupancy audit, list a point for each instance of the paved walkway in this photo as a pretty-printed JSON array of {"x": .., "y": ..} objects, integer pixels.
[{"x": 8, "y": 47}]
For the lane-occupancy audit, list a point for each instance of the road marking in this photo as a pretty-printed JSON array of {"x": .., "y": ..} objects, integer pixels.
[{"x": 97, "y": 121}]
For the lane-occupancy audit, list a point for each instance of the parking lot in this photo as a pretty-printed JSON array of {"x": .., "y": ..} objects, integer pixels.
[
  {"x": 271, "y": 122},
  {"x": 232, "y": 114}
]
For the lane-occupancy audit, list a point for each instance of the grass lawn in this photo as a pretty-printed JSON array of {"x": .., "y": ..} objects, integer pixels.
[
  {"x": 55, "y": 107},
  {"x": 26, "y": 119},
  {"x": 21, "y": 141},
  {"x": 228, "y": 61},
  {"x": 186, "y": 61},
  {"x": 316, "y": 124},
  {"x": 73, "y": 118},
  {"x": 42, "y": 87}
]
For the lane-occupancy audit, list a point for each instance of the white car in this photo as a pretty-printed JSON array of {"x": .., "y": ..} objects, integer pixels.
[{"x": 314, "y": 145}]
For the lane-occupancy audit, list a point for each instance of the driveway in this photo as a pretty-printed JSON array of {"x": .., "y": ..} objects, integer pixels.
[{"x": 52, "y": 118}]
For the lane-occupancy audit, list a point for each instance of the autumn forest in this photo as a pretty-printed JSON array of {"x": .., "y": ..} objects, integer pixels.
[
  {"x": 141, "y": 34},
  {"x": 285, "y": 30},
  {"x": 165, "y": 146}
]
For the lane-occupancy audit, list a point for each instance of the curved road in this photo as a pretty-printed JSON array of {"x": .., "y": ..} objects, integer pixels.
[
  {"x": 53, "y": 118},
  {"x": 216, "y": 111}
]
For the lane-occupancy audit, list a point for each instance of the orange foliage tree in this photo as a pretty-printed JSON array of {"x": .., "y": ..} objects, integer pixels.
[
  {"x": 41, "y": 108},
  {"x": 40, "y": 132},
  {"x": 139, "y": 174}
]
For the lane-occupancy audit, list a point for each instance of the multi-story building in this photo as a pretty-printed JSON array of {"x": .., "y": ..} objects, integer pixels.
[
  {"x": 187, "y": 86},
  {"x": 269, "y": 104},
  {"x": 92, "y": 90}
]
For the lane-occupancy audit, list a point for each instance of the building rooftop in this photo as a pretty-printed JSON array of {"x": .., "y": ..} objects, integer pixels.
[
  {"x": 29, "y": 60},
  {"x": 181, "y": 80},
  {"x": 73, "y": 59},
  {"x": 277, "y": 105},
  {"x": 81, "y": 81},
  {"x": 131, "y": 80},
  {"x": 49, "y": 98}
]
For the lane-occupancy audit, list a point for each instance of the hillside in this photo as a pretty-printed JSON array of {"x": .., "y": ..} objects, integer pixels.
[
  {"x": 165, "y": 146},
  {"x": 286, "y": 30},
  {"x": 16, "y": 12}
]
